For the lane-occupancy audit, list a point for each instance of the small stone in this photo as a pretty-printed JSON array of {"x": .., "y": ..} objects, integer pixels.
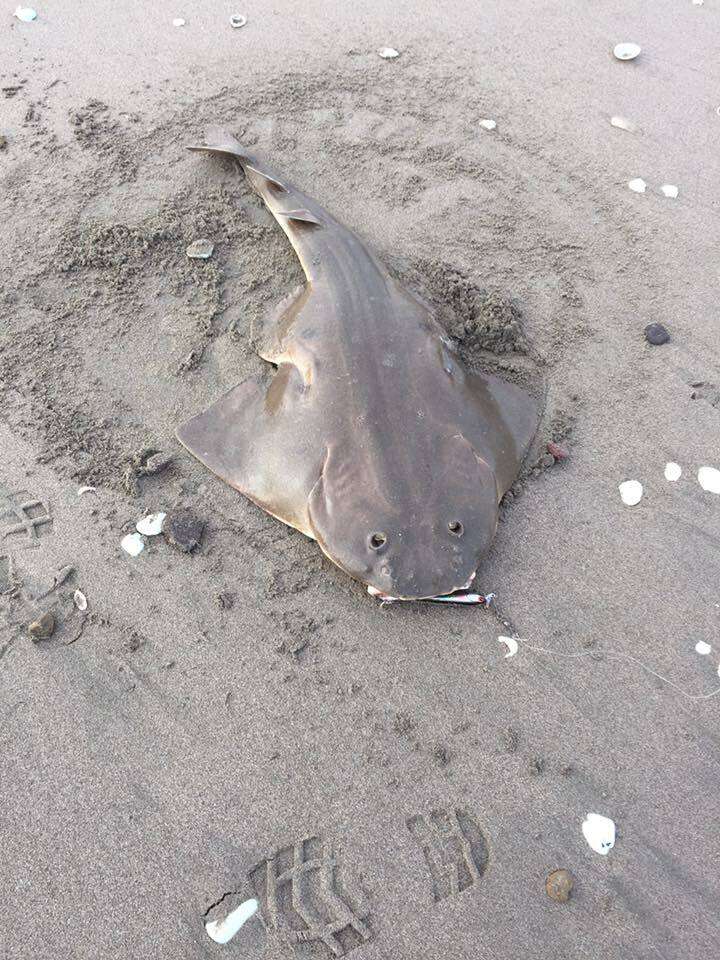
[
  {"x": 637, "y": 185},
  {"x": 184, "y": 531},
  {"x": 656, "y": 334},
  {"x": 536, "y": 766},
  {"x": 237, "y": 20},
  {"x": 42, "y": 628},
  {"x": 488, "y": 124},
  {"x": 178, "y": 22},
  {"x": 441, "y": 754},
  {"x": 558, "y": 452},
  {"x": 558, "y": 885},
  {"x": 3, "y": 142},
  {"x": 200, "y": 249},
  {"x": 157, "y": 463},
  {"x": 388, "y": 53}
]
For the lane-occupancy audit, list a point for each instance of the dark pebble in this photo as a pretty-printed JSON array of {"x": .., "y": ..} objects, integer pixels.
[
  {"x": 559, "y": 885},
  {"x": 184, "y": 531},
  {"x": 656, "y": 334},
  {"x": 42, "y": 628}
]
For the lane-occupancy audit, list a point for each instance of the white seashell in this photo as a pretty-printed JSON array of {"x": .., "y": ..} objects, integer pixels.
[
  {"x": 512, "y": 645},
  {"x": 80, "y": 600},
  {"x": 698, "y": 3},
  {"x": 178, "y": 22},
  {"x": 223, "y": 931},
  {"x": 703, "y": 648},
  {"x": 626, "y": 51},
  {"x": 488, "y": 124},
  {"x": 631, "y": 492},
  {"x": 133, "y": 544},
  {"x": 26, "y": 14},
  {"x": 709, "y": 479},
  {"x": 637, "y": 185},
  {"x": 200, "y": 249},
  {"x": 388, "y": 53},
  {"x": 151, "y": 525},
  {"x": 599, "y": 832},
  {"x": 237, "y": 20},
  {"x": 670, "y": 190},
  {"x": 673, "y": 472},
  {"x": 622, "y": 123},
  {"x": 83, "y": 490}
]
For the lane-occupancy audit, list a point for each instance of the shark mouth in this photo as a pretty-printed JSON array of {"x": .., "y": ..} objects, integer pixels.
[{"x": 458, "y": 596}]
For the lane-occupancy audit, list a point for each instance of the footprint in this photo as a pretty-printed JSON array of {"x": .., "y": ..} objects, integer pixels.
[
  {"x": 454, "y": 847},
  {"x": 303, "y": 898}
]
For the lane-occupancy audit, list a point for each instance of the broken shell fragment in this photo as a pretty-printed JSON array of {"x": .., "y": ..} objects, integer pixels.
[
  {"x": 599, "y": 832},
  {"x": 178, "y": 22},
  {"x": 26, "y": 14},
  {"x": 637, "y": 185},
  {"x": 673, "y": 472},
  {"x": 222, "y": 931},
  {"x": 670, "y": 190},
  {"x": 83, "y": 490},
  {"x": 388, "y": 53},
  {"x": 709, "y": 479},
  {"x": 200, "y": 249},
  {"x": 631, "y": 492},
  {"x": 622, "y": 123},
  {"x": 80, "y": 600},
  {"x": 512, "y": 645},
  {"x": 42, "y": 628},
  {"x": 626, "y": 51},
  {"x": 558, "y": 885},
  {"x": 151, "y": 525},
  {"x": 703, "y": 648},
  {"x": 488, "y": 124},
  {"x": 237, "y": 20},
  {"x": 133, "y": 544}
]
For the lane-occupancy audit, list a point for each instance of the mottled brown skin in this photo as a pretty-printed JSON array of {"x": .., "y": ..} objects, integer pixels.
[{"x": 372, "y": 438}]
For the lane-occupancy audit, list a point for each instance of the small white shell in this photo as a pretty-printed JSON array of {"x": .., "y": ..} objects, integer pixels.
[
  {"x": 599, "y": 832},
  {"x": 200, "y": 249},
  {"x": 151, "y": 525},
  {"x": 637, "y": 185},
  {"x": 488, "y": 124},
  {"x": 698, "y": 3},
  {"x": 673, "y": 472},
  {"x": 178, "y": 22},
  {"x": 512, "y": 645},
  {"x": 709, "y": 479},
  {"x": 626, "y": 51},
  {"x": 631, "y": 492},
  {"x": 670, "y": 190},
  {"x": 237, "y": 20},
  {"x": 703, "y": 648},
  {"x": 622, "y": 123},
  {"x": 133, "y": 544},
  {"x": 83, "y": 490},
  {"x": 80, "y": 600},
  {"x": 388, "y": 53},
  {"x": 26, "y": 14},
  {"x": 222, "y": 931}
]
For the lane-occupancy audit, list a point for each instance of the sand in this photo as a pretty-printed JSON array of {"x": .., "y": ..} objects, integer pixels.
[{"x": 219, "y": 717}]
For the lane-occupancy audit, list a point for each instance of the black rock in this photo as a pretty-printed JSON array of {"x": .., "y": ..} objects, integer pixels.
[
  {"x": 656, "y": 334},
  {"x": 184, "y": 531}
]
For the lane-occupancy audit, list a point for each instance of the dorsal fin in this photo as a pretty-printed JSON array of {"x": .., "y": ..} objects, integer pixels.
[{"x": 304, "y": 216}]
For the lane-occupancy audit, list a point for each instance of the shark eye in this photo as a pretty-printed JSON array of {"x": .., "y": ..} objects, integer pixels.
[
  {"x": 376, "y": 541},
  {"x": 456, "y": 528}
]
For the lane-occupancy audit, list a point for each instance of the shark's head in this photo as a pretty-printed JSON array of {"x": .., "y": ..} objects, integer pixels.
[{"x": 423, "y": 537}]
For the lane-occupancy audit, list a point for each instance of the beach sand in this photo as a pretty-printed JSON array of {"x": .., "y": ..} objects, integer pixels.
[{"x": 218, "y": 718}]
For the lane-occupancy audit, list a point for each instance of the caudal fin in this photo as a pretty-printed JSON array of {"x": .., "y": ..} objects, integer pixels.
[{"x": 218, "y": 140}]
